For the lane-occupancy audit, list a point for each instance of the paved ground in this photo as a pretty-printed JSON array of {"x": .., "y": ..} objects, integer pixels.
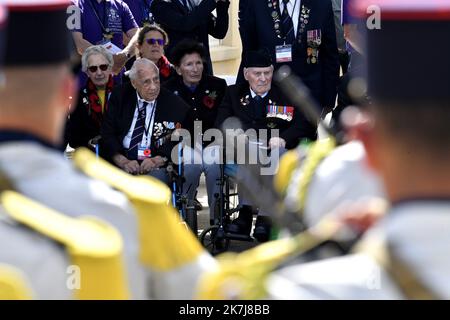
[{"x": 203, "y": 220}]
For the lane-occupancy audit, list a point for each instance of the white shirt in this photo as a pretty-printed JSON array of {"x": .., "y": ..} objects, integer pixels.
[
  {"x": 254, "y": 94},
  {"x": 149, "y": 120},
  {"x": 293, "y": 12}
]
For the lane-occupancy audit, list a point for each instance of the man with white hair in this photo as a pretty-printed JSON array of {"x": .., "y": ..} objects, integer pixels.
[
  {"x": 261, "y": 106},
  {"x": 137, "y": 130}
]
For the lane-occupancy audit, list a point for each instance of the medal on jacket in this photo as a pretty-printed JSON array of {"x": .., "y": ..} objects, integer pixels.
[{"x": 314, "y": 40}]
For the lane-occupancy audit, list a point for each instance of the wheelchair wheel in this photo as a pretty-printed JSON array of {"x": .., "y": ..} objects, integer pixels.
[
  {"x": 213, "y": 239},
  {"x": 191, "y": 220}
]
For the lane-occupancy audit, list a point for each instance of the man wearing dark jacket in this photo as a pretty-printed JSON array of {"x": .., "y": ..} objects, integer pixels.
[
  {"x": 300, "y": 34},
  {"x": 261, "y": 106},
  {"x": 136, "y": 132},
  {"x": 192, "y": 19}
]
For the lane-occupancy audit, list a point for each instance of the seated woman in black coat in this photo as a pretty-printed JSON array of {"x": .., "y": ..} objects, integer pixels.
[
  {"x": 203, "y": 93},
  {"x": 83, "y": 126}
]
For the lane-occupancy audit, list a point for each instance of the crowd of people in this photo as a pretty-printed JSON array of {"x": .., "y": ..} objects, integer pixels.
[{"x": 146, "y": 83}]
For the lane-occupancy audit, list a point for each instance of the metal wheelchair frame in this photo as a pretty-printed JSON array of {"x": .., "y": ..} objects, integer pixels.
[
  {"x": 185, "y": 207},
  {"x": 215, "y": 238}
]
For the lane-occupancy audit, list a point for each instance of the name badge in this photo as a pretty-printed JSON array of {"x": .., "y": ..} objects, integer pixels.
[
  {"x": 283, "y": 53},
  {"x": 143, "y": 152}
]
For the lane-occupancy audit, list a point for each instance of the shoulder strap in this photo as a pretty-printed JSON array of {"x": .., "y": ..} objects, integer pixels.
[
  {"x": 301, "y": 174},
  {"x": 403, "y": 276}
]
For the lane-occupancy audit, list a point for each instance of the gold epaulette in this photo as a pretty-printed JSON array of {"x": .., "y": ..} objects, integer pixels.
[
  {"x": 301, "y": 177},
  {"x": 93, "y": 246},
  {"x": 165, "y": 243},
  {"x": 244, "y": 275},
  {"x": 288, "y": 163},
  {"x": 13, "y": 285}
]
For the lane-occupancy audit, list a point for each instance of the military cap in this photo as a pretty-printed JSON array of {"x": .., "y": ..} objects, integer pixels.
[
  {"x": 257, "y": 59},
  {"x": 37, "y": 32},
  {"x": 408, "y": 56}
]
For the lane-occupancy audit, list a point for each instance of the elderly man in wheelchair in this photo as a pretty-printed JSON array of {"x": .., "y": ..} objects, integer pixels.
[
  {"x": 139, "y": 123},
  {"x": 272, "y": 125}
]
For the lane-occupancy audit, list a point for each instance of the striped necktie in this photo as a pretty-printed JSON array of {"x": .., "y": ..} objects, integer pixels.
[
  {"x": 258, "y": 107},
  {"x": 288, "y": 25},
  {"x": 138, "y": 132}
]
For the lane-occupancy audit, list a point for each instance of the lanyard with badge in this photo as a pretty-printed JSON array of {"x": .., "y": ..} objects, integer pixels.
[
  {"x": 107, "y": 33},
  {"x": 283, "y": 52},
  {"x": 104, "y": 24},
  {"x": 144, "y": 150}
]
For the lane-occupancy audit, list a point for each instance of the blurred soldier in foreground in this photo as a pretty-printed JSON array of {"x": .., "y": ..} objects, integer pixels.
[
  {"x": 397, "y": 258},
  {"x": 32, "y": 115},
  {"x": 405, "y": 255}
]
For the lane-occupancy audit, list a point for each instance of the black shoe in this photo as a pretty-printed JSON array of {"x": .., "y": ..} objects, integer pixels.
[
  {"x": 197, "y": 205},
  {"x": 243, "y": 223},
  {"x": 263, "y": 228}
]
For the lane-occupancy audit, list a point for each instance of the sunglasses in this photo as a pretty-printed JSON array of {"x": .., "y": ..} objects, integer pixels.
[
  {"x": 102, "y": 67},
  {"x": 155, "y": 41}
]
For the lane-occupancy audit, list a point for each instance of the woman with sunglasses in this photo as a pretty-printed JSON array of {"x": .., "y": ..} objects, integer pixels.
[
  {"x": 151, "y": 43},
  {"x": 83, "y": 127}
]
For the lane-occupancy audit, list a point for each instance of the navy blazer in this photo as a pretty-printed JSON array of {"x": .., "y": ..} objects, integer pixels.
[
  {"x": 197, "y": 24},
  {"x": 257, "y": 28},
  {"x": 239, "y": 103},
  {"x": 118, "y": 119}
]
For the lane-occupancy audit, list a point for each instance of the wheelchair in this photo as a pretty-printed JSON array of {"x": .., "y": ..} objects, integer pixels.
[
  {"x": 180, "y": 201},
  {"x": 215, "y": 238}
]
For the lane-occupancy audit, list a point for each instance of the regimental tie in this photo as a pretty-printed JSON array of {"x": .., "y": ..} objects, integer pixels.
[
  {"x": 138, "y": 132},
  {"x": 287, "y": 24},
  {"x": 258, "y": 107}
]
